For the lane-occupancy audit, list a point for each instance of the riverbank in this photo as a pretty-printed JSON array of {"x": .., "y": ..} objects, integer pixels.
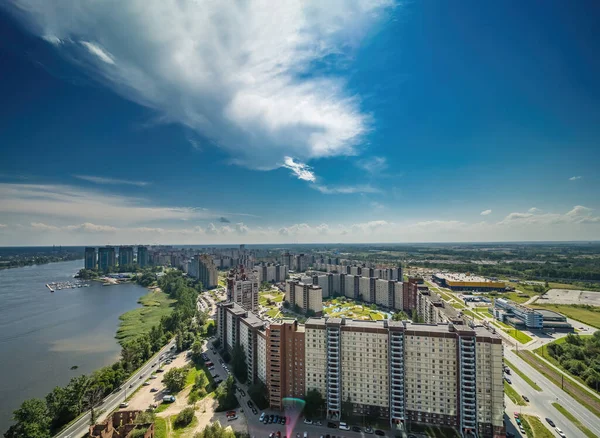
[{"x": 133, "y": 323}]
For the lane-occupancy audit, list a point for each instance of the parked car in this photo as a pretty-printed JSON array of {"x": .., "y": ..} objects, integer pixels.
[
  {"x": 507, "y": 371},
  {"x": 123, "y": 405},
  {"x": 154, "y": 390},
  {"x": 508, "y": 380},
  {"x": 152, "y": 377},
  {"x": 368, "y": 429},
  {"x": 255, "y": 412},
  {"x": 510, "y": 435},
  {"x": 560, "y": 432},
  {"x": 525, "y": 398},
  {"x": 356, "y": 429},
  {"x": 242, "y": 392},
  {"x": 250, "y": 404},
  {"x": 344, "y": 426},
  {"x": 262, "y": 417},
  {"x": 379, "y": 432},
  {"x": 146, "y": 384},
  {"x": 332, "y": 425},
  {"x": 550, "y": 422},
  {"x": 307, "y": 421}
]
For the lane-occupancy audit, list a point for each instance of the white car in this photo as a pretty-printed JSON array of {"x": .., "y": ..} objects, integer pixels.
[
  {"x": 560, "y": 432},
  {"x": 307, "y": 421},
  {"x": 123, "y": 405},
  {"x": 344, "y": 426}
]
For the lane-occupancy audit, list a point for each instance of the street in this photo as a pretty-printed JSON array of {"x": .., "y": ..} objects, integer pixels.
[{"x": 80, "y": 427}]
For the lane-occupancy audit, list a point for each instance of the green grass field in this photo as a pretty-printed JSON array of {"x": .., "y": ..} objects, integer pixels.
[
  {"x": 471, "y": 314},
  {"x": 534, "y": 427},
  {"x": 513, "y": 395},
  {"x": 484, "y": 310},
  {"x": 523, "y": 375},
  {"x": 160, "y": 428},
  {"x": 156, "y": 304},
  {"x": 272, "y": 313},
  {"x": 575, "y": 421},
  {"x": 523, "y": 338},
  {"x": 587, "y": 316}
]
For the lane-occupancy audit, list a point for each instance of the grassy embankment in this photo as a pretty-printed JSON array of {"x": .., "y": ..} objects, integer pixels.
[
  {"x": 156, "y": 304},
  {"x": 522, "y": 375},
  {"x": 514, "y": 333},
  {"x": 513, "y": 395},
  {"x": 534, "y": 427},
  {"x": 566, "y": 383},
  {"x": 575, "y": 421}
]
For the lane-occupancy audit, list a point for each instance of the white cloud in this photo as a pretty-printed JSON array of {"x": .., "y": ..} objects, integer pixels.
[
  {"x": 300, "y": 170},
  {"x": 485, "y": 212},
  {"x": 235, "y": 72},
  {"x": 3, "y": 225},
  {"x": 345, "y": 190},
  {"x": 85, "y": 227},
  {"x": 115, "y": 181},
  {"x": 52, "y": 40},
  {"x": 37, "y": 202},
  {"x": 534, "y": 210},
  {"x": 574, "y": 178},
  {"x": 373, "y": 165},
  {"x": 577, "y": 215},
  {"x": 97, "y": 51},
  {"x": 241, "y": 228}
]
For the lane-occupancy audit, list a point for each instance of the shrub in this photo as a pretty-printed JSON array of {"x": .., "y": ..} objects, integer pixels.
[{"x": 185, "y": 417}]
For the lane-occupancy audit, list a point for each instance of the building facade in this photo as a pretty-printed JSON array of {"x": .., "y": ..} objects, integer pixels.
[
  {"x": 90, "y": 258},
  {"x": 106, "y": 258},
  {"x": 142, "y": 257},
  {"x": 207, "y": 272},
  {"x": 125, "y": 255},
  {"x": 304, "y": 295},
  {"x": 242, "y": 288},
  {"x": 271, "y": 272}
]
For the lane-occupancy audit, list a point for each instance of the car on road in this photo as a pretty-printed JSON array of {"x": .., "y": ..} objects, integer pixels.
[
  {"x": 379, "y": 432},
  {"x": 550, "y": 422},
  {"x": 510, "y": 435},
  {"x": 332, "y": 425},
  {"x": 131, "y": 385},
  {"x": 368, "y": 429},
  {"x": 307, "y": 421},
  {"x": 507, "y": 371},
  {"x": 525, "y": 398},
  {"x": 344, "y": 426},
  {"x": 146, "y": 384},
  {"x": 242, "y": 392},
  {"x": 152, "y": 377},
  {"x": 522, "y": 429},
  {"x": 123, "y": 405},
  {"x": 160, "y": 370},
  {"x": 262, "y": 417},
  {"x": 356, "y": 429},
  {"x": 250, "y": 404},
  {"x": 560, "y": 432},
  {"x": 508, "y": 380},
  {"x": 254, "y": 411}
]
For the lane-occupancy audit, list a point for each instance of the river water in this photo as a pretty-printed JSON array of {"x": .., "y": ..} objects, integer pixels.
[{"x": 43, "y": 334}]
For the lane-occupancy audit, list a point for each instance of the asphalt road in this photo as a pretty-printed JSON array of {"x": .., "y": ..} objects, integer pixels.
[
  {"x": 80, "y": 427},
  {"x": 541, "y": 402}
]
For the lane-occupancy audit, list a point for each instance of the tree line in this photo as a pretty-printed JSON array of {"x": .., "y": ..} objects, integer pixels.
[
  {"x": 42, "y": 418},
  {"x": 580, "y": 357}
]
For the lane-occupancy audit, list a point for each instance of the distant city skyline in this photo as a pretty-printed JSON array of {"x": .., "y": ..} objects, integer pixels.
[{"x": 375, "y": 121}]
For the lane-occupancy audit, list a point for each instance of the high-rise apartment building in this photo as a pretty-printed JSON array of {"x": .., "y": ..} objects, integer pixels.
[
  {"x": 437, "y": 374},
  {"x": 207, "y": 272},
  {"x": 271, "y": 272},
  {"x": 106, "y": 258},
  {"x": 242, "y": 288},
  {"x": 142, "y": 257},
  {"x": 307, "y": 296},
  {"x": 125, "y": 255},
  {"x": 236, "y": 325},
  {"x": 90, "y": 258},
  {"x": 284, "y": 361}
]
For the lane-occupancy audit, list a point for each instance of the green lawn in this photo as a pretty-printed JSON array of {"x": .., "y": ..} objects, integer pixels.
[
  {"x": 471, "y": 314},
  {"x": 156, "y": 304},
  {"x": 160, "y": 428},
  {"x": 534, "y": 427},
  {"x": 513, "y": 395},
  {"x": 523, "y": 338},
  {"x": 482, "y": 310},
  {"x": 523, "y": 375},
  {"x": 573, "y": 419},
  {"x": 178, "y": 432},
  {"x": 589, "y": 316},
  {"x": 457, "y": 305},
  {"x": 273, "y": 313}
]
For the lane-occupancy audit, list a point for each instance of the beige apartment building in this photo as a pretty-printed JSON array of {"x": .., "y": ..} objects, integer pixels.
[
  {"x": 438, "y": 374},
  {"x": 242, "y": 288},
  {"x": 305, "y": 295}
]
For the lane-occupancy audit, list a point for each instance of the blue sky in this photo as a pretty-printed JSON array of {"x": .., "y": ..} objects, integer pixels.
[{"x": 343, "y": 121}]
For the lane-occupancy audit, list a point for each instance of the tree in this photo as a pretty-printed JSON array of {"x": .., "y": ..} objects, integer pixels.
[
  {"x": 297, "y": 308},
  {"x": 215, "y": 430},
  {"x": 138, "y": 433},
  {"x": 314, "y": 403},
  {"x": 145, "y": 417},
  {"x": 310, "y": 313},
  {"x": 32, "y": 420},
  {"x": 238, "y": 363},
  {"x": 258, "y": 393},
  {"x": 286, "y": 304},
  {"x": 175, "y": 379},
  {"x": 197, "y": 350},
  {"x": 225, "y": 395},
  {"x": 201, "y": 383},
  {"x": 184, "y": 418}
]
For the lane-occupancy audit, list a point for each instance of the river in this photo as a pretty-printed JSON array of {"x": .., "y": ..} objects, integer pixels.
[{"x": 43, "y": 334}]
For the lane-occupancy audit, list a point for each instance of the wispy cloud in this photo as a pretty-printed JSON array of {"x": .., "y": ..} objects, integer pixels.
[
  {"x": 224, "y": 70},
  {"x": 534, "y": 210},
  {"x": 577, "y": 215},
  {"x": 97, "y": 51},
  {"x": 195, "y": 144},
  {"x": 373, "y": 165},
  {"x": 345, "y": 190},
  {"x": 85, "y": 227},
  {"x": 485, "y": 212},
  {"x": 104, "y": 180},
  {"x": 574, "y": 178},
  {"x": 300, "y": 170}
]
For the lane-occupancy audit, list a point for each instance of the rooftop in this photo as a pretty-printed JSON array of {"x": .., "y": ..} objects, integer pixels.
[{"x": 463, "y": 277}]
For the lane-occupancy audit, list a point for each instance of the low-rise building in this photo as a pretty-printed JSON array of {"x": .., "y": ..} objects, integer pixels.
[
  {"x": 468, "y": 282},
  {"x": 121, "y": 424}
]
